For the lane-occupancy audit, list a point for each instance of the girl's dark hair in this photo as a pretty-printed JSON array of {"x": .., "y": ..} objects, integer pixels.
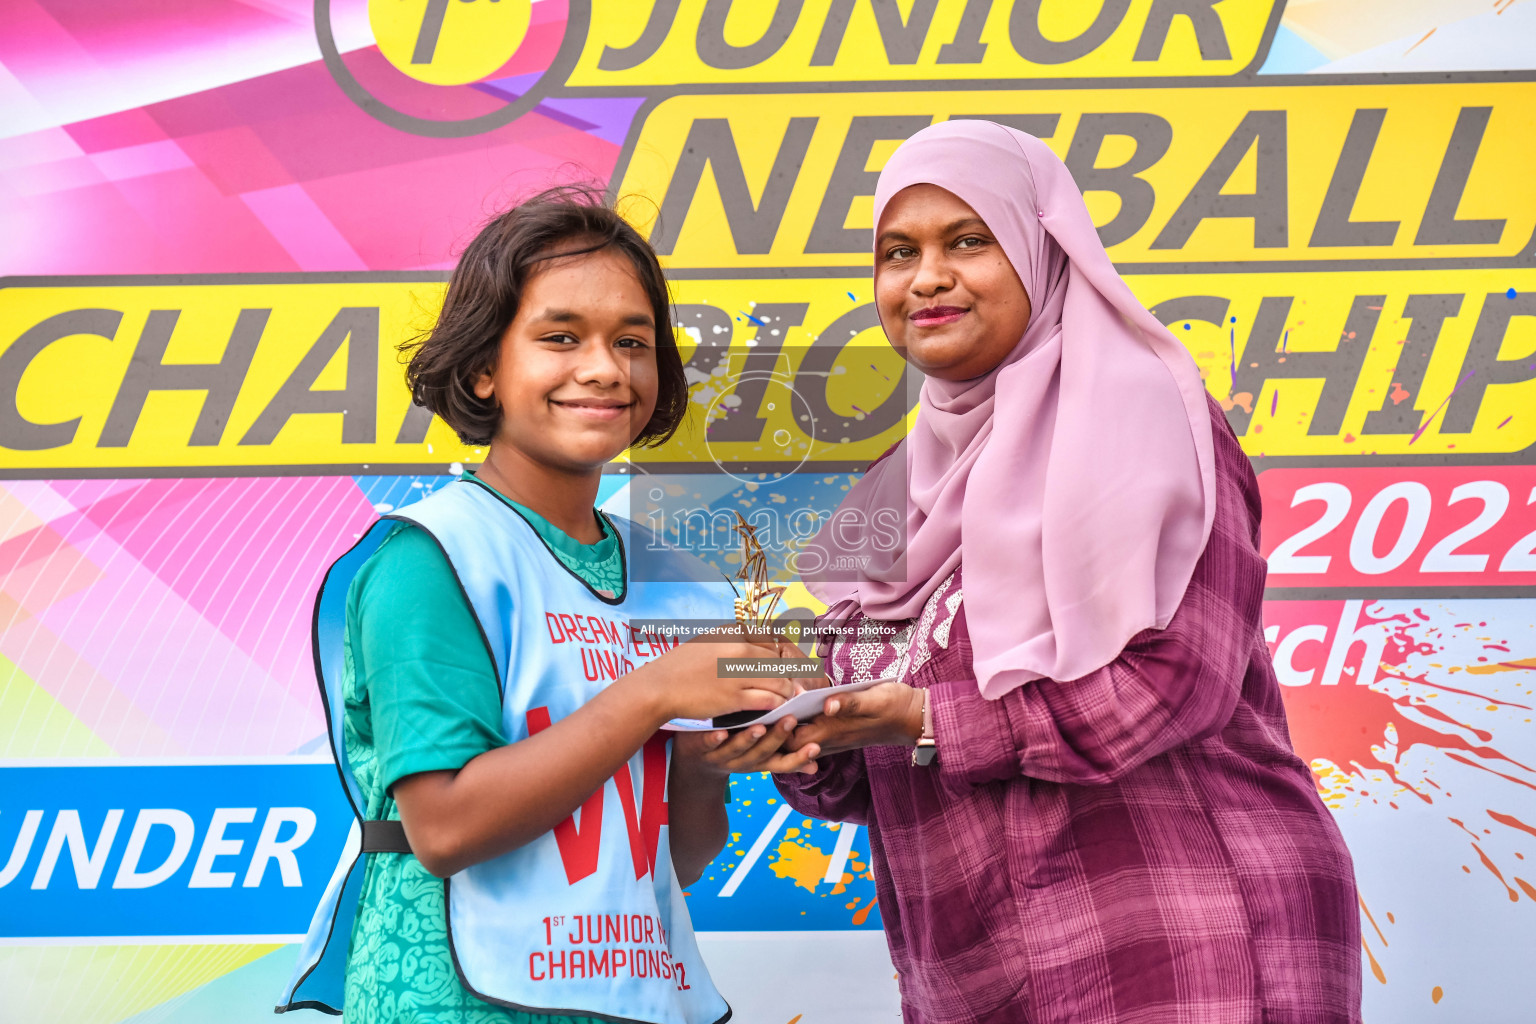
[{"x": 483, "y": 297}]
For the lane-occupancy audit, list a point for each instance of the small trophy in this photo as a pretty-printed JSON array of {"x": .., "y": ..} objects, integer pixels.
[
  {"x": 755, "y": 603},
  {"x": 757, "y": 598}
]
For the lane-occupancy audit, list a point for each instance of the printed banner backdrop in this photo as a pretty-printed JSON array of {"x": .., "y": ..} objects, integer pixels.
[{"x": 222, "y": 217}]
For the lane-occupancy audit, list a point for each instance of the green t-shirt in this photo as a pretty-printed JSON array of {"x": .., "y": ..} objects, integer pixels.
[{"x": 422, "y": 695}]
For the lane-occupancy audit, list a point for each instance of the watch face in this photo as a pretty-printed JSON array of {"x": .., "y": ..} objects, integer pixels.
[{"x": 923, "y": 756}]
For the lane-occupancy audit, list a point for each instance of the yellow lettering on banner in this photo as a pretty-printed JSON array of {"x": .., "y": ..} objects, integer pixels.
[
  {"x": 222, "y": 375},
  {"x": 445, "y": 43},
  {"x": 808, "y": 377},
  {"x": 787, "y": 372},
  {"x": 1399, "y": 364},
  {"x": 715, "y": 42},
  {"x": 1173, "y": 176}
]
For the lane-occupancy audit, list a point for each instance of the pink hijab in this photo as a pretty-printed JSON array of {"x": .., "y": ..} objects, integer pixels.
[{"x": 1076, "y": 481}]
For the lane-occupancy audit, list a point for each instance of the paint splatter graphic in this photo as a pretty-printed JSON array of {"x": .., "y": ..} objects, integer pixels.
[
  {"x": 784, "y": 870},
  {"x": 1410, "y": 701},
  {"x": 1415, "y": 718},
  {"x": 1431, "y": 417}
]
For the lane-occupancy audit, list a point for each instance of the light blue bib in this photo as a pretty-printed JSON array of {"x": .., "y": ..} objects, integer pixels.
[{"x": 588, "y": 918}]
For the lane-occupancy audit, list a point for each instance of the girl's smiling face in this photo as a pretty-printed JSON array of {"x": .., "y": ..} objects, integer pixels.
[
  {"x": 576, "y": 377},
  {"x": 949, "y": 300}
]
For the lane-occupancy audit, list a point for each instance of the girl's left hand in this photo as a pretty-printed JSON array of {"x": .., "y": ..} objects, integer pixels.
[
  {"x": 890, "y": 714},
  {"x": 755, "y": 749}
]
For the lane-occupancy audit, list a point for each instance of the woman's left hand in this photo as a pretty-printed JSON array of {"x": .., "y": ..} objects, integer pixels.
[{"x": 890, "y": 714}]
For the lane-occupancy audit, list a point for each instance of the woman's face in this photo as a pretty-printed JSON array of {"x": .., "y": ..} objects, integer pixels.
[
  {"x": 576, "y": 378},
  {"x": 951, "y": 303}
]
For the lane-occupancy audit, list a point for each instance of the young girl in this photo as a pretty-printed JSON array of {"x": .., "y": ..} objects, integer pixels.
[{"x": 456, "y": 644}]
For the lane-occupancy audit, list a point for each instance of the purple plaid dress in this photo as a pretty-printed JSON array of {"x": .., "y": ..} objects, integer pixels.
[{"x": 1139, "y": 846}]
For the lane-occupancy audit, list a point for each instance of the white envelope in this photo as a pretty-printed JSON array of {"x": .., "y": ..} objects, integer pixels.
[{"x": 801, "y": 706}]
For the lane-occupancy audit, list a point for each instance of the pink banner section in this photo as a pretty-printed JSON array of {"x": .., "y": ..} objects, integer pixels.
[
  {"x": 1390, "y": 526},
  {"x": 138, "y": 154},
  {"x": 170, "y": 617}
]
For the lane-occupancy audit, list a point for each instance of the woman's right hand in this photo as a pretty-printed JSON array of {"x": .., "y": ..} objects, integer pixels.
[{"x": 687, "y": 681}]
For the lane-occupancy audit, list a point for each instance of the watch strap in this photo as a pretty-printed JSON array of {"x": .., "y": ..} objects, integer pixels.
[{"x": 926, "y": 749}]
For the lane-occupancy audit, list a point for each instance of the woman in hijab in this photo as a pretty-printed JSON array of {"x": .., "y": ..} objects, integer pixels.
[{"x": 1082, "y": 800}]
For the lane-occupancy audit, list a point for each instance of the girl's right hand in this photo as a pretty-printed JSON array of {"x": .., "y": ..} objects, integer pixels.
[
  {"x": 757, "y": 748},
  {"x": 688, "y": 683}
]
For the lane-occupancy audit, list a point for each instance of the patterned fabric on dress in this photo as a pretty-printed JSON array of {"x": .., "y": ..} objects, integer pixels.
[
  {"x": 398, "y": 967},
  {"x": 606, "y": 575},
  {"x": 1138, "y": 845}
]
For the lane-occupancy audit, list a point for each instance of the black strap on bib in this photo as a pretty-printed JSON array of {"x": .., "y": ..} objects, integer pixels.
[{"x": 385, "y": 837}]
